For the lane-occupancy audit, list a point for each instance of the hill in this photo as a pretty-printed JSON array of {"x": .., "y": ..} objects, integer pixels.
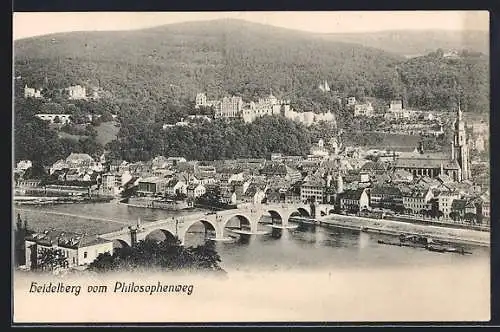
[
  {"x": 152, "y": 77},
  {"x": 220, "y": 57},
  {"x": 417, "y": 42}
]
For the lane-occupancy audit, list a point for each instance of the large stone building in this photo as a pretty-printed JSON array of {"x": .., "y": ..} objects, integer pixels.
[{"x": 457, "y": 165}]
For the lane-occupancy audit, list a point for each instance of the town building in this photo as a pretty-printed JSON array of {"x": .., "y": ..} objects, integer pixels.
[
  {"x": 195, "y": 190},
  {"x": 31, "y": 92},
  {"x": 354, "y": 200},
  {"x": 386, "y": 197},
  {"x": 230, "y": 107},
  {"x": 23, "y": 165},
  {"x": 55, "y": 118},
  {"x": 416, "y": 200},
  {"x": 77, "y": 249},
  {"x": 76, "y": 92},
  {"x": 365, "y": 110},
  {"x": 313, "y": 189}
]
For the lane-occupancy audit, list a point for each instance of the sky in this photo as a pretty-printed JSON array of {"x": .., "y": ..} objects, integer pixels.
[{"x": 27, "y": 24}]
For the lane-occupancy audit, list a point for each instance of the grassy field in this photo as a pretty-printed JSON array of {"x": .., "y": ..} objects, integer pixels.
[{"x": 106, "y": 132}]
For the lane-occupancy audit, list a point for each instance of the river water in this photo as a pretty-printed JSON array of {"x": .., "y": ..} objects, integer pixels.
[{"x": 306, "y": 247}]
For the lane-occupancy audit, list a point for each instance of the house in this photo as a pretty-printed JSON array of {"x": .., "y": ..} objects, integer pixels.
[
  {"x": 365, "y": 110},
  {"x": 313, "y": 188},
  {"x": 72, "y": 175},
  {"x": 445, "y": 200},
  {"x": 354, "y": 200},
  {"x": 255, "y": 193},
  {"x": 78, "y": 249},
  {"x": 175, "y": 187},
  {"x": 24, "y": 165},
  {"x": 195, "y": 190},
  {"x": 115, "y": 165},
  {"x": 58, "y": 165},
  {"x": 159, "y": 162},
  {"x": 240, "y": 187},
  {"x": 281, "y": 170},
  {"x": 54, "y": 118},
  {"x": 374, "y": 167},
  {"x": 386, "y": 197},
  {"x": 76, "y": 92},
  {"x": 228, "y": 197},
  {"x": 80, "y": 159},
  {"x": 416, "y": 200},
  {"x": 111, "y": 182},
  {"x": 149, "y": 186}
]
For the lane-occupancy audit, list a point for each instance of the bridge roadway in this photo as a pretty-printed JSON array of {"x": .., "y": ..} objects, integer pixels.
[{"x": 248, "y": 216}]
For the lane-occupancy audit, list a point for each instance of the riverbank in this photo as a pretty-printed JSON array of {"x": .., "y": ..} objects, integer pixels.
[
  {"x": 390, "y": 227},
  {"x": 42, "y": 200}
]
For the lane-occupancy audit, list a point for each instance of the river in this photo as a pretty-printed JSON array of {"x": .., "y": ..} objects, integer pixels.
[{"x": 308, "y": 247}]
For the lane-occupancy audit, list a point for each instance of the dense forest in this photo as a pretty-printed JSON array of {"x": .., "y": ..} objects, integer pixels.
[
  {"x": 151, "y": 76},
  {"x": 219, "y": 139}
]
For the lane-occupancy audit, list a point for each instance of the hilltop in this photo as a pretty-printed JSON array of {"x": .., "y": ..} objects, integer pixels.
[
  {"x": 417, "y": 42},
  {"x": 220, "y": 57}
]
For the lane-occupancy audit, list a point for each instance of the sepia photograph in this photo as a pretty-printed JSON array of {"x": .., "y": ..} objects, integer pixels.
[{"x": 250, "y": 167}]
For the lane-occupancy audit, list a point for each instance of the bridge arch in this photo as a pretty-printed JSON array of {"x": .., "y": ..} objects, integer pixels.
[
  {"x": 237, "y": 221},
  {"x": 277, "y": 217},
  {"x": 119, "y": 243},
  {"x": 160, "y": 235},
  {"x": 209, "y": 227},
  {"x": 303, "y": 212}
]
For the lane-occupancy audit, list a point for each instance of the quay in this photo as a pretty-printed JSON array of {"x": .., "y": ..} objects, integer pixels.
[{"x": 390, "y": 227}]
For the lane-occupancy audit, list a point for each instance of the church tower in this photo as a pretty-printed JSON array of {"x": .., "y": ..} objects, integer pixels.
[{"x": 460, "y": 143}]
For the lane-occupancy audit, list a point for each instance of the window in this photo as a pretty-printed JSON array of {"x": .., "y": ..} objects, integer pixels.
[{"x": 85, "y": 254}]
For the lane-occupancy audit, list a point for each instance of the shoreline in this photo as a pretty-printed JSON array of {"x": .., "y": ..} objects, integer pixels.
[{"x": 390, "y": 227}]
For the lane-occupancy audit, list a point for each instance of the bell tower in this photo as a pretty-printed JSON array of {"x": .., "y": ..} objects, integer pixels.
[{"x": 460, "y": 143}]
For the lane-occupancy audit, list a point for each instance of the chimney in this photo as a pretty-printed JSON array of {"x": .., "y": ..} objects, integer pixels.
[
  {"x": 452, "y": 151},
  {"x": 329, "y": 180},
  {"x": 441, "y": 172}
]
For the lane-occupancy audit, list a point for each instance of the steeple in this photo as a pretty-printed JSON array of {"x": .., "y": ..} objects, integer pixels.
[{"x": 459, "y": 111}]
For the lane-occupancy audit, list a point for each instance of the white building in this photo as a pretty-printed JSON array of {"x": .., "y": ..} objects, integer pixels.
[
  {"x": 365, "y": 110},
  {"x": 76, "y": 92},
  {"x": 24, "y": 165},
  {"x": 55, "y": 118},
  {"x": 77, "y": 249},
  {"x": 32, "y": 93}
]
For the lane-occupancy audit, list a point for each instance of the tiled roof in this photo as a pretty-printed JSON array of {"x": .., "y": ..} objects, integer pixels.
[
  {"x": 65, "y": 239},
  {"x": 352, "y": 194},
  {"x": 385, "y": 190},
  {"x": 426, "y": 163}
]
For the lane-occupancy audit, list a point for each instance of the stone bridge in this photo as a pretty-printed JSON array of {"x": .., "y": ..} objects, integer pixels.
[{"x": 245, "y": 219}]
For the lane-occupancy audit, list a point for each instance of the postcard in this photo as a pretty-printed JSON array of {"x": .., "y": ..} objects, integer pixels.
[{"x": 229, "y": 167}]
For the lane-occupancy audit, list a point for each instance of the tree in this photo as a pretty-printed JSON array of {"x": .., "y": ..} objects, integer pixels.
[
  {"x": 166, "y": 255},
  {"x": 470, "y": 217},
  {"x": 455, "y": 216},
  {"x": 51, "y": 259}
]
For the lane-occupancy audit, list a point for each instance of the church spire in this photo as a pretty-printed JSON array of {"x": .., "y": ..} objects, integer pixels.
[{"x": 459, "y": 111}]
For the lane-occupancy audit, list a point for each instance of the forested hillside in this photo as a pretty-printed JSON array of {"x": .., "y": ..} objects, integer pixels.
[{"x": 151, "y": 76}]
